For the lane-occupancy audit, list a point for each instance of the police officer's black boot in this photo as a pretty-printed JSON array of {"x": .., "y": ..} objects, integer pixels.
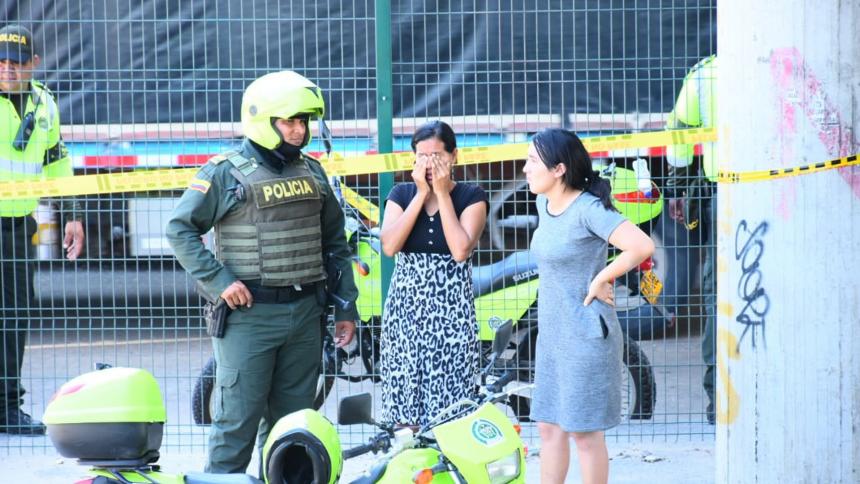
[
  {"x": 710, "y": 385},
  {"x": 712, "y": 418},
  {"x": 16, "y": 421}
]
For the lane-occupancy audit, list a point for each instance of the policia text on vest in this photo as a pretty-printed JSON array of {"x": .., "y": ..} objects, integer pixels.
[{"x": 273, "y": 192}]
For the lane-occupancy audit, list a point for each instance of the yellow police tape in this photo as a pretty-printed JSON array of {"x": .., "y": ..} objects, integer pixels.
[
  {"x": 171, "y": 179},
  {"x": 363, "y": 205},
  {"x": 132, "y": 181},
  {"x": 761, "y": 175},
  {"x": 371, "y": 211},
  {"x": 517, "y": 151}
]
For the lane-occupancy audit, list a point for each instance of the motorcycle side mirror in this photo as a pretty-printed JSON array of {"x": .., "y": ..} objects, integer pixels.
[
  {"x": 500, "y": 342},
  {"x": 502, "y": 337},
  {"x": 355, "y": 409}
]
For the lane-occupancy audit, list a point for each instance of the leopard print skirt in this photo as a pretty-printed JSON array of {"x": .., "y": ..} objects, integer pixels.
[{"x": 429, "y": 349}]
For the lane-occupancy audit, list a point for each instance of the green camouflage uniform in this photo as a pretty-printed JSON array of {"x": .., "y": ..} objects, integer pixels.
[{"x": 268, "y": 361}]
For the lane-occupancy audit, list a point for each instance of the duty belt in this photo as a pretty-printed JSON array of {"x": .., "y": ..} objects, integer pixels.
[{"x": 275, "y": 295}]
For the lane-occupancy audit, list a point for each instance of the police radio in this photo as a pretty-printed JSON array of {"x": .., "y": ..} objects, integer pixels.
[{"x": 27, "y": 126}]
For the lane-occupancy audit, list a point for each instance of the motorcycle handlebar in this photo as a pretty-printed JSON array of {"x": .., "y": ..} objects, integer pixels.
[
  {"x": 499, "y": 384},
  {"x": 357, "y": 451},
  {"x": 379, "y": 442}
]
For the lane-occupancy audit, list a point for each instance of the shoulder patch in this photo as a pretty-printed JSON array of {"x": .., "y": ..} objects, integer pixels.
[
  {"x": 201, "y": 186},
  {"x": 43, "y": 87},
  {"x": 217, "y": 159}
]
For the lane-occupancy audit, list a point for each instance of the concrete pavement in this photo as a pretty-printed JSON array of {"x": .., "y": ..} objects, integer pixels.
[{"x": 631, "y": 462}]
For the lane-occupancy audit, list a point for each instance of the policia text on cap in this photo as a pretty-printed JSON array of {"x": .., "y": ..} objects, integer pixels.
[
  {"x": 279, "y": 232},
  {"x": 30, "y": 149}
]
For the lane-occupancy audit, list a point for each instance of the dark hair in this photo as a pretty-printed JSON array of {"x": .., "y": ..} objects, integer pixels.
[
  {"x": 558, "y": 146},
  {"x": 438, "y": 130}
]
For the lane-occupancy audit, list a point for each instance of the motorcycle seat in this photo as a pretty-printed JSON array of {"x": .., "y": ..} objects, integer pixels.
[
  {"x": 206, "y": 478},
  {"x": 512, "y": 270}
]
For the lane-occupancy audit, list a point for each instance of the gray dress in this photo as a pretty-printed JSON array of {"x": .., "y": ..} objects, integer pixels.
[{"x": 578, "y": 354}]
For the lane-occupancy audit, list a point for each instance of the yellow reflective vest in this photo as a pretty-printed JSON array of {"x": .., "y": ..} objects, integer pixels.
[
  {"x": 696, "y": 107},
  {"x": 45, "y": 155}
]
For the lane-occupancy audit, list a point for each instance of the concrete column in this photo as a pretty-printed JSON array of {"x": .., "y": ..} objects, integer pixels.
[{"x": 788, "y": 356}]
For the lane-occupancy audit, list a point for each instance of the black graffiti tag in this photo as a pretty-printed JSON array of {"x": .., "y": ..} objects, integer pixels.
[{"x": 749, "y": 248}]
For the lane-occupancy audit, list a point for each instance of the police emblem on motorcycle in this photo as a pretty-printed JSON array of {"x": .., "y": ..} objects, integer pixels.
[
  {"x": 495, "y": 323},
  {"x": 486, "y": 432}
]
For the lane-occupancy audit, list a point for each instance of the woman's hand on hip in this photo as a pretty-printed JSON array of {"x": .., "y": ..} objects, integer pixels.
[{"x": 602, "y": 290}]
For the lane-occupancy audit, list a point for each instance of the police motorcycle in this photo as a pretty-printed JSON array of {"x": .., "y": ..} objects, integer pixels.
[
  {"x": 504, "y": 290},
  {"x": 471, "y": 441},
  {"x": 112, "y": 420}
]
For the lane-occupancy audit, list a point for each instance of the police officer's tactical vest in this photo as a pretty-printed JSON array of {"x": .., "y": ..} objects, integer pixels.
[
  {"x": 696, "y": 106},
  {"x": 44, "y": 154},
  {"x": 275, "y": 235}
]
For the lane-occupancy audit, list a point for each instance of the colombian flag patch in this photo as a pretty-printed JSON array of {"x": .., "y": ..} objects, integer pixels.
[{"x": 201, "y": 186}]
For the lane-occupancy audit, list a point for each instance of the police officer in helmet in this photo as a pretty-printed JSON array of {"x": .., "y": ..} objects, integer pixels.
[
  {"x": 692, "y": 193},
  {"x": 275, "y": 218},
  {"x": 31, "y": 149}
]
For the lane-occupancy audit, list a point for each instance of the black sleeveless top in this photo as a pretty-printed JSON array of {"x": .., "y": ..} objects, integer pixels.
[{"x": 427, "y": 235}]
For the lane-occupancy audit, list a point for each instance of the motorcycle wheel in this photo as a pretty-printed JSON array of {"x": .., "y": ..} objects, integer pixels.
[
  {"x": 201, "y": 397},
  {"x": 370, "y": 348},
  {"x": 639, "y": 388}
]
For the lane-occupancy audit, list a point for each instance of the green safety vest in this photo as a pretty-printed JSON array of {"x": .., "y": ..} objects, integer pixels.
[
  {"x": 275, "y": 236},
  {"x": 696, "y": 107},
  {"x": 45, "y": 156}
]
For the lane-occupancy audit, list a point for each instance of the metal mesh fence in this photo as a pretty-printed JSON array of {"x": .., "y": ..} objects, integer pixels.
[{"x": 158, "y": 84}]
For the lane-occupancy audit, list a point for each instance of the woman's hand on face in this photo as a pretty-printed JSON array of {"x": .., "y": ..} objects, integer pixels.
[
  {"x": 419, "y": 175},
  {"x": 603, "y": 291},
  {"x": 441, "y": 175}
]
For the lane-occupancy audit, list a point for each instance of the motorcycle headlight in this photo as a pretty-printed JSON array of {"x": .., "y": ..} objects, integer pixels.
[{"x": 505, "y": 469}]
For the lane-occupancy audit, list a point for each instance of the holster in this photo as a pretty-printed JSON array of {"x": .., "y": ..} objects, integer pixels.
[
  {"x": 699, "y": 190},
  {"x": 683, "y": 182},
  {"x": 215, "y": 315}
]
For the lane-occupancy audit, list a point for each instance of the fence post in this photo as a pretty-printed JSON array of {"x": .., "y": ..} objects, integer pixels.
[{"x": 384, "y": 116}]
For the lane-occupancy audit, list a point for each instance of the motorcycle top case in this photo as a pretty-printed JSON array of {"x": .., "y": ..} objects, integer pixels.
[{"x": 111, "y": 414}]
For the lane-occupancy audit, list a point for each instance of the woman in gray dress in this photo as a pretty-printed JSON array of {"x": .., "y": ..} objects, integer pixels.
[{"x": 578, "y": 356}]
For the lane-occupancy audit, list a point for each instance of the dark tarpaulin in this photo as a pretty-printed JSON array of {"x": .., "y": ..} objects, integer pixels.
[{"x": 156, "y": 61}]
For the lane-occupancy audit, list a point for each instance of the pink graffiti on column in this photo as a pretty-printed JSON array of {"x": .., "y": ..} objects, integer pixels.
[
  {"x": 798, "y": 85},
  {"x": 786, "y": 192}
]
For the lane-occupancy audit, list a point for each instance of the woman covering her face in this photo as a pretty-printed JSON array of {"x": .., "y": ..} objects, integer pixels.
[
  {"x": 429, "y": 353},
  {"x": 578, "y": 353}
]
